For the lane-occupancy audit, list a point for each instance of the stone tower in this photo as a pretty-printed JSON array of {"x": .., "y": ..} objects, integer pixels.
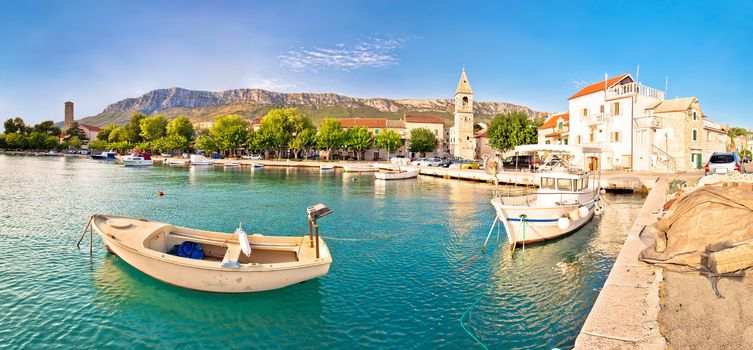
[
  {"x": 68, "y": 115},
  {"x": 461, "y": 138}
]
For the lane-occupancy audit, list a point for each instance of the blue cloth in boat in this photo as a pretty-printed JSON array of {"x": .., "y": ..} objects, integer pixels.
[{"x": 191, "y": 250}]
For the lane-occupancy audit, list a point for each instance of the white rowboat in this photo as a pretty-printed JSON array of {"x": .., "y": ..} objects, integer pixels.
[{"x": 396, "y": 174}]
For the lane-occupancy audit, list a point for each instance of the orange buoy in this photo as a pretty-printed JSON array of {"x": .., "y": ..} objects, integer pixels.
[{"x": 160, "y": 193}]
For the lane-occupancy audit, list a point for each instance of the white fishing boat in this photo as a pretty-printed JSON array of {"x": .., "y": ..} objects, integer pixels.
[
  {"x": 396, "y": 174},
  {"x": 103, "y": 156},
  {"x": 566, "y": 199},
  {"x": 359, "y": 168},
  {"x": 176, "y": 161},
  {"x": 137, "y": 159},
  {"x": 215, "y": 261},
  {"x": 258, "y": 165},
  {"x": 198, "y": 159},
  {"x": 326, "y": 167},
  {"x": 232, "y": 164}
]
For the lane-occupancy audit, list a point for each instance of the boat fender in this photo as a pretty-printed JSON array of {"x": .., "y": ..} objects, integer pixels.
[
  {"x": 563, "y": 223},
  {"x": 243, "y": 240},
  {"x": 583, "y": 211},
  {"x": 574, "y": 214},
  {"x": 602, "y": 191}
]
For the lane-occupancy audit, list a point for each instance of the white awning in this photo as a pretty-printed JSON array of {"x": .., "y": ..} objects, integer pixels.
[{"x": 569, "y": 149}]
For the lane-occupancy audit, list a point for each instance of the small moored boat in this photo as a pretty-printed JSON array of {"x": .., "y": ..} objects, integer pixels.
[
  {"x": 396, "y": 174},
  {"x": 258, "y": 165},
  {"x": 216, "y": 262},
  {"x": 326, "y": 167},
  {"x": 566, "y": 199},
  {"x": 198, "y": 159},
  {"x": 231, "y": 164},
  {"x": 103, "y": 156},
  {"x": 360, "y": 168},
  {"x": 176, "y": 161},
  {"x": 137, "y": 159}
]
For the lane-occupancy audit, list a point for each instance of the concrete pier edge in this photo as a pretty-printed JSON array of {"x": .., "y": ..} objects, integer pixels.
[{"x": 625, "y": 313}]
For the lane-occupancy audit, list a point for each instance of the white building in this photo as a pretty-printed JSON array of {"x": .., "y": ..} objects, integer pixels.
[
  {"x": 605, "y": 115},
  {"x": 462, "y": 140}
]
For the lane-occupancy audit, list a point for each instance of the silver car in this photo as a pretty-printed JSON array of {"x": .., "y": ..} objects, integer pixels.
[{"x": 724, "y": 163}]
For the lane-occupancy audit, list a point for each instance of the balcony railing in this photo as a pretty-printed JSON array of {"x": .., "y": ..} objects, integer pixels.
[
  {"x": 595, "y": 119},
  {"x": 632, "y": 89},
  {"x": 648, "y": 121}
]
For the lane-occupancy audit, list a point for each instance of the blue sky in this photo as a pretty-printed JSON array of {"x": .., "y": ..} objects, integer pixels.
[{"x": 533, "y": 53}]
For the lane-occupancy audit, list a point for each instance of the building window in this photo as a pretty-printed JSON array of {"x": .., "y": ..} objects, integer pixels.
[
  {"x": 616, "y": 109},
  {"x": 559, "y": 125},
  {"x": 565, "y": 141},
  {"x": 695, "y": 115},
  {"x": 591, "y": 137},
  {"x": 376, "y": 131},
  {"x": 708, "y": 135},
  {"x": 639, "y": 137},
  {"x": 585, "y": 112},
  {"x": 695, "y": 135},
  {"x": 601, "y": 109},
  {"x": 547, "y": 142},
  {"x": 579, "y": 139},
  {"x": 614, "y": 137}
]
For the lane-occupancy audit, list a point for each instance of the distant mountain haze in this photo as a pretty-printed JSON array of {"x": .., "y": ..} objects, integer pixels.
[{"x": 253, "y": 103}]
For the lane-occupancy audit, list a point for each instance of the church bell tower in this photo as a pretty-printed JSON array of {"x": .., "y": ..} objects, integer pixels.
[{"x": 461, "y": 138}]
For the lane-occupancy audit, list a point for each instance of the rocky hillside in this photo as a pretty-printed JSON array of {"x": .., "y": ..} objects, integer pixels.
[{"x": 252, "y": 103}]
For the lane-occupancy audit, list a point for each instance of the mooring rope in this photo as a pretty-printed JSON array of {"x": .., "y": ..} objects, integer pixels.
[{"x": 462, "y": 324}]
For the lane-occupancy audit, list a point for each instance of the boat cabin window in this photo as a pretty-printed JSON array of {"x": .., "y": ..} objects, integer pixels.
[
  {"x": 584, "y": 183},
  {"x": 564, "y": 184},
  {"x": 547, "y": 183}
]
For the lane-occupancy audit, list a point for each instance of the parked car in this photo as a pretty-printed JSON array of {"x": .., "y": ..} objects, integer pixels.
[
  {"x": 463, "y": 164},
  {"x": 522, "y": 163},
  {"x": 400, "y": 160},
  {"x": 253, "y": 157},
  {"x": 418, "y": 162},
  {"x": 432, "y": 162},
  {"x": 447, "y": 162},
  {"x": 216, "y": 156},
  {"x": 724, "y": 163}
]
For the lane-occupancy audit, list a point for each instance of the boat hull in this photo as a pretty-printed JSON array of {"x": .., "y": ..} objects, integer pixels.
[
  {"x": 541, "y": 223},
  {"x": 397, "y": 176},
  {"x": 138, "y": 162},
  {"x": 184, "y": 273},
  {"x": 359, "y": 169}
]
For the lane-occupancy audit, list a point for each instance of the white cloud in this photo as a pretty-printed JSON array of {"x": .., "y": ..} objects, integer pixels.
[
  {"x": 374, "y": 52},
  {"x": 578, "y": 83},
  {"x": 273, "y": 84}
]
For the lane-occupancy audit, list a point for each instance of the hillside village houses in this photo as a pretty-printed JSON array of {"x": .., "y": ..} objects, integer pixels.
[{"x": 636, "y": 128}]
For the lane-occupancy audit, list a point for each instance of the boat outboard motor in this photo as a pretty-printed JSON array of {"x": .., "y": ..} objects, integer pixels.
[{"x": 243, "y": 240}]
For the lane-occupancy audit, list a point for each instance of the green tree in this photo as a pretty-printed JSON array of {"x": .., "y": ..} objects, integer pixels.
[
  {"x": 119, "y": 145},
  {"x": 737, "y": 135},
  {"x": 16, "y": 140},
  {"x": 388, "y": 140},
  {"x": 422, "y": 140},
  {"x": 152, "y": 128},
  {"x": 171, "y": 142},
  {"x": 304, "y": 141},
  {"x": 357, "y": 139},
  {"x": 74, "y": 142},
  {"x": 181, "y": 126},
  {"x": 3, "y": 145},
  {"x": 280, "y": 127},
  {"x": 118, "y": 134},
  {"x": 52, "y": 142},
  {"x": 75, "y": 130},
  {"x": 104, "y": 134},
  {"x": 330, "y": 136},
  {"x": 48, "y": 127},
  {"x": 512, "y": 129},
  {"x": 132, "y": 129},
  {"x": 229, "y": 132},
  {"x": 98, "y": 144},
  {"x": 37, "y": 140},
  {"x": 206, "y": 143},
  {"x": 14, "y": 126}
]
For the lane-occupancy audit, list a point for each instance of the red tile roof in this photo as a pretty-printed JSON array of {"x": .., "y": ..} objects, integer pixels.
[
  {"x": 367, "y": 122},
  {"x": 90, "y": 127},
  {"x": 423, "y": 118},
  {"x": 599, "y": 86},
  {"x": 552, "y": 121}
]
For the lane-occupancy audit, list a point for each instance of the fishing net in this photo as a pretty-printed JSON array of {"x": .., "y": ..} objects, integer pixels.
[{"x": 703, "y": 222}]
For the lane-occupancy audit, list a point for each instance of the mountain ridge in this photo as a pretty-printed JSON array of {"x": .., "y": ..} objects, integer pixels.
[{"x": 201, "y": 105}]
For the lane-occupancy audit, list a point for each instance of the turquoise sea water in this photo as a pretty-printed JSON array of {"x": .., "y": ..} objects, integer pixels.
[{"x": 407, "y": 262}]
